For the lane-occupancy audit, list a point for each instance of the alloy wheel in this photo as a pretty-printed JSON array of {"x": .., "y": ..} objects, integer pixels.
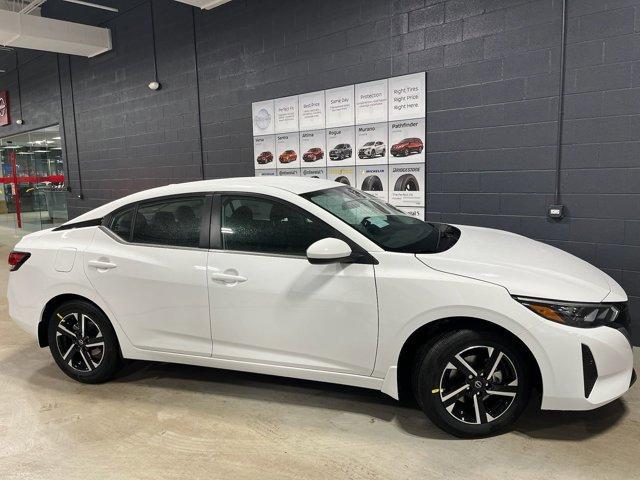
[
  {"x": 478, "y": 385},
  {"x": 80, "y": 342}
]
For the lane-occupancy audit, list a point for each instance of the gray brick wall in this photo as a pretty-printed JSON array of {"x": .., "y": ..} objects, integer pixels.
[{"x": 492, "y": 70}]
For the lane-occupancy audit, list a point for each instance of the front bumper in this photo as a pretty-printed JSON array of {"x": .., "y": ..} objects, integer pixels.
[{"x": 589, "y": 367}]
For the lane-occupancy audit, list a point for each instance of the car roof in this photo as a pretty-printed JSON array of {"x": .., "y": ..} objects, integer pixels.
[{"x": 296, "y": 185}]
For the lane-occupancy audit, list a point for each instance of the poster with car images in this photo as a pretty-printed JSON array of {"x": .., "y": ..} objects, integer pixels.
[
  {"x": 313, "y": 148},
  {"x": 311, "y": 111},
  {"x": 417, "y": 212},
  {"x": 344, "y": 175},
  {"x": 313, "y": 172},
  {"x": 371, "y": 102},
  {"x": 288, "y": 150},
  {"x": 341, "y": 145},
  {"x": 266, "y": 173},
  {"x": 264, "y": 148},
  {"x": 406, "y": 141},
  {"x": 407, "y": 97},
  {"x": 374, "y": 180},
  {"x": 262, "y": 116},
  {"x": 289, "y": 172},
  {"x": 371, "y": 136},
  {"x": 371, "y": 144},
  {"x": 286, "y": 114},
  {"x": 339, "y": 106},
  {"x": 406, "y": 185}
]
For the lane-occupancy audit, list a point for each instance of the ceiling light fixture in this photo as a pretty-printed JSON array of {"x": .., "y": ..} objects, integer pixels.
[{"x": 93, "y": 5}]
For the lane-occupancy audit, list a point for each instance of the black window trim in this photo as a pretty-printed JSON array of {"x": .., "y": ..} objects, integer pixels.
[
  {"x": 360, "y": 255},
  {"x": 204, "y": 225}
]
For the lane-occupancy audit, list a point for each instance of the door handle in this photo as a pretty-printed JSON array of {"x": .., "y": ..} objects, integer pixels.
[
  {"x": 101, "y": 264},
  {"x": 227, "y": 278}
]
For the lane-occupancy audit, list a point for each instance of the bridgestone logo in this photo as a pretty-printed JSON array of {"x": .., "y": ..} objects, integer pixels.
[{"x": 406, "y": 169}]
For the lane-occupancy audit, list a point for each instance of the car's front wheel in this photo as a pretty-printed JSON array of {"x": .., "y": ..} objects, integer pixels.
[
  {"x": 472, "y": 383},
  {"x": 83, "y": 343}
]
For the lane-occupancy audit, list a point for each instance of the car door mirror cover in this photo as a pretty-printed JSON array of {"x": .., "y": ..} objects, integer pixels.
[{"x": 329, "y": 250}]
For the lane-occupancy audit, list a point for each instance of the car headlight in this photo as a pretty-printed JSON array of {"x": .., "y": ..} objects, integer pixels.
[{"x": 583, "y": 315}]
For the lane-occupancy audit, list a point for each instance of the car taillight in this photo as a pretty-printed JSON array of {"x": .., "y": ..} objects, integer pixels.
[{"x": 16, "y": 259}]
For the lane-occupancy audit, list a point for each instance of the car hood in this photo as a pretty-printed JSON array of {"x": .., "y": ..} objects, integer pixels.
[{"x": 523, "y": 266}]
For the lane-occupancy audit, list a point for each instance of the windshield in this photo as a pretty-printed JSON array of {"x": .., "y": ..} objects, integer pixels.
[
  {"x": 368, "y": 144},
  {"x": 382, "y": 223}
]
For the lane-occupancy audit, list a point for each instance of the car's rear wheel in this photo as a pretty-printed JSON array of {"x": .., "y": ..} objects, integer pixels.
[
  {"x": 472, "y": 383},
  {"x": 83, "y": 343}
]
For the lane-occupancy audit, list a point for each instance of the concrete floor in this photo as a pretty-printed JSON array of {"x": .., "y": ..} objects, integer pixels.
[{"x": 159, "y": 421}]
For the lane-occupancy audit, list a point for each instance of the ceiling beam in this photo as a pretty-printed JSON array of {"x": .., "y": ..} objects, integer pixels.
[{"x": 48, "y": 34}]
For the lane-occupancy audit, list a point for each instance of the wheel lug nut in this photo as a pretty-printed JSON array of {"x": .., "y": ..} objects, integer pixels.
[{"x": 470, "y": 377}]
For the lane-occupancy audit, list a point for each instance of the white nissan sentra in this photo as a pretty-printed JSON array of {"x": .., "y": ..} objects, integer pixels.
[{"x": 308, "y": 278}]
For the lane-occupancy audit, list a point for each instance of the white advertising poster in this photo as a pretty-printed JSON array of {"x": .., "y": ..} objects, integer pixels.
[
  {"x": 407, "y": 97},
  {"x": 341, "y": 145},
  {"x": 286, "y": 114},
  {"x": 263, "y": 152},
  {"x": 266, "y": 173},
  {"x": 417, "y": 212},
  {"x": 406, "y": 141},
  {"x": 262, "y": 116},
  {"x": 289, "y": 172},
  {"x": 371, "y": 102},
  {"x": 373, "y": 179},
  {"x": 313, "y": 148},
  {"x": 339, "y": 106},
  {"x": 311, "y": 111},
  {"x": 406, "y": 185},
  {"x": 313, "y": 172},
  {"x": 344, "y": 175},
  {"x": 371, "y": 144},
  {"x": 288, "y": 150}
]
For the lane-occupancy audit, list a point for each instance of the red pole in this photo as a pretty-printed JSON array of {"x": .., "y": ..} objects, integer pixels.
[{"x": 16, "y": 193}]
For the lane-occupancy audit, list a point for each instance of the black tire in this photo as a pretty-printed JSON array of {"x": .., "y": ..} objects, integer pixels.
[
  {"x": 71, "y": 347},
  {"x": 372, "y": 183},
  {"x": 405, "y": 152},
  {"x": 486, "y": 402},
  {"x": 344, "y": 180},
  {"x": 406, "y": 182},
  {"x": 384, "y": 151}
]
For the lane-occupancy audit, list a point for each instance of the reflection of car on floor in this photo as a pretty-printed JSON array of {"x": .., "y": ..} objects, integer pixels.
[
  {"x": 342, "y": 179},
  {"x": 288, "y": 156},
  {"x": 313, "y": 154},
  {"x": 372, "y": 183},
  {"x": 459, "y": 318},
  {"x": 406, "y": 182},
  {"x": 340, "y": 151},
  {"x": 265, "y": 157},
  {"x": 407, "y": 146},
  {"x": 372, "y": 150}
]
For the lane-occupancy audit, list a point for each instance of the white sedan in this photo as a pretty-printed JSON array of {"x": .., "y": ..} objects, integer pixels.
[{"x": 312, "y": 279}]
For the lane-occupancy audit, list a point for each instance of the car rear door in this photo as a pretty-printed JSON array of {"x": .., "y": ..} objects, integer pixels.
[
  {"x": 153, "y": 276},
  {"x": 269, "y": 305}
]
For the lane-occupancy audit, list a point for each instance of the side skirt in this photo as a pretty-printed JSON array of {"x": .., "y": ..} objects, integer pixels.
[{"x": 277, "y": 370}]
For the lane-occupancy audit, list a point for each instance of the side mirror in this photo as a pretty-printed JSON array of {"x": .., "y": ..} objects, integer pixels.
[{"x": 328, "y": 250}]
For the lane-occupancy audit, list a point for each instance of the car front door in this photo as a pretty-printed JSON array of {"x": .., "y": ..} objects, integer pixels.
[
  {"x": 269, "y": 305},
  {"x": 148, "y": 264}
]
